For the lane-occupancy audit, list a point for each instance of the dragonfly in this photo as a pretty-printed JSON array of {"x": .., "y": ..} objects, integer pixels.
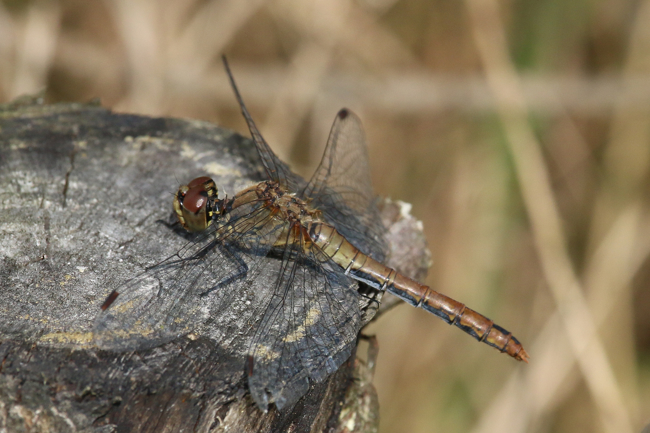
[{"x": 309, "y": 242}]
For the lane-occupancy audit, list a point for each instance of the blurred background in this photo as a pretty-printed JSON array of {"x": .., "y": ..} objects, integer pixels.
[{"x": 519, "y": 131}]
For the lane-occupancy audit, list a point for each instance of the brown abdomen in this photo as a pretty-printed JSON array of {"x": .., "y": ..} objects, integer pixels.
[{"x": 364, "y": 268}]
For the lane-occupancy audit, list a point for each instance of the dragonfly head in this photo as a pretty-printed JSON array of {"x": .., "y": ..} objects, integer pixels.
[{"x": 197, "y": 203}]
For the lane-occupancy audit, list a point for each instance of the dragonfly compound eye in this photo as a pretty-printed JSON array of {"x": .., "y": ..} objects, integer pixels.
[{"x": 193, "y": 204}]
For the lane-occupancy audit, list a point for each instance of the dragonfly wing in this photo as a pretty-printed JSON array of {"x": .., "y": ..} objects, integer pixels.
[
  {"x": 342, "y": 189},
  {"x": 275, "y": 168},
  {"x": 308, "y": 329},
  {"x": 169, "y": 299}
]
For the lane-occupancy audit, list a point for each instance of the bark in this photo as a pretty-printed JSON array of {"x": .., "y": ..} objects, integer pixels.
[{"x": 83, "y": 192}]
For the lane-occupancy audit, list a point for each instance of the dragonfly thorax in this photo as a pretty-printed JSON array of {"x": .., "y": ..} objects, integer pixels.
[
  {"x": 197, "y": 203},
  {"x": 286, "y": 205}
]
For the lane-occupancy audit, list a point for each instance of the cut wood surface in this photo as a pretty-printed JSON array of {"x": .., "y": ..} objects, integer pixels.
[{"x": 85, "y": 196}]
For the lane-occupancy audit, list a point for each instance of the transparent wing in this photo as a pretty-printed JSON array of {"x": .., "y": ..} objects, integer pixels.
[
  {"x": 342, "y": 189},
  {"x": 275, "y": 168},
  {"x": 170, "y": 299},
  {"x": 307, "y": 331}
]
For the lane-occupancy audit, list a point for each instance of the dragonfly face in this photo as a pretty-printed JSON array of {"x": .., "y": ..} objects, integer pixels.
[{"x": 196, "y": 203}]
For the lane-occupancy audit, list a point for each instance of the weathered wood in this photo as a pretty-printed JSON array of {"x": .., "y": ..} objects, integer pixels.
[{"x": 82, "y": 191}]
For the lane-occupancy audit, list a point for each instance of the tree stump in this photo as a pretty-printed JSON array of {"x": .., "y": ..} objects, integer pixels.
[{"x": 83, "y": 191}]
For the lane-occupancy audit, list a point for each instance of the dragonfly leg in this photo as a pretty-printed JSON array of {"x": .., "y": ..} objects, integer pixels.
[
  {"x": 232, "y": 254},
  {"x": 370, "y": 293},
  {"x": 172, "y": 224}
]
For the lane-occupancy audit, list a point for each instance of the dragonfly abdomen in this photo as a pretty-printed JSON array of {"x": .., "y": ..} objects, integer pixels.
[{"x": 364, "y": 268}]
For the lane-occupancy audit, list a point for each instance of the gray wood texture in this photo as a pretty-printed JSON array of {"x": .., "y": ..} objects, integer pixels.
[{"x": 84, "y": 193}]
